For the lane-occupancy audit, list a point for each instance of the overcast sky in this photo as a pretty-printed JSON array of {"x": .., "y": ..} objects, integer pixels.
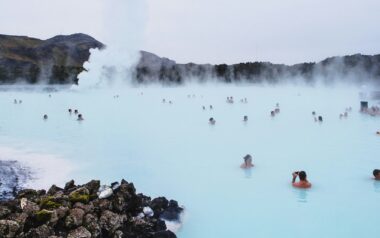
[{"x": 214, "y": 31}]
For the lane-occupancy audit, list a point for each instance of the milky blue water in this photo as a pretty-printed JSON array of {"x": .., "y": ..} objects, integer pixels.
[{"x": 171, "y": 150}]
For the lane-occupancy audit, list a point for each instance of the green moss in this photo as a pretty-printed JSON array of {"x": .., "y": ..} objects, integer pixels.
[
  {"x": 93, "y": 197},
  {"x": 49, "y": 203},
  {"x": 76, "y": 197},
  {"x": 43, "y": 216}
]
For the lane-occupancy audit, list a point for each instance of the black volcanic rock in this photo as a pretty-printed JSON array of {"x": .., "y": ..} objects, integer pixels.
[
  {"x": 76, "y": 211},
  {"x": 57, "y": 60}
]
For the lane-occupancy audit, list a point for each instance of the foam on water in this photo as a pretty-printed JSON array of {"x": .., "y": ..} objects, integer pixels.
[
  {"x": 42, "y": 169},
  {"x": 171, "y": 150}
]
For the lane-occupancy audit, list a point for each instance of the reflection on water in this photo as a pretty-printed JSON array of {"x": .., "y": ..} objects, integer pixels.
[
  {"x": 247, "y": 173},
  {"x": 301, "y": 194},
  {"x": 376, "y": 186}
]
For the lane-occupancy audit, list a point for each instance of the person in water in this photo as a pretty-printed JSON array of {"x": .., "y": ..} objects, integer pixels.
[
  {"x": 378, "y": 132},
  {"x": 303, "y": 183},
  {"x": 211, "y": 107},
  {"x": 80, "y": 117},
  {"x": 76, "y": 111},
  {"x": 70, "y": 111},
  {"x": 376, "y": 174},
  {"x": 247, "y": 162},
  {"x": 245, "y": 118},
  {"x": 45, "y": 117},
  {"x": 211, "y": 121}
]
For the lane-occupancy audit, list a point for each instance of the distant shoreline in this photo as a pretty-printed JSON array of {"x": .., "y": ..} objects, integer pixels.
[{"x": 60, "y": 60}]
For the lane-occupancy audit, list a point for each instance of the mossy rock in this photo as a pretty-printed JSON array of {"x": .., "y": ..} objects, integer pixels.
[
  {"x": 27, "y": 193},
  {"x": 43, "y": 216},
  {"x": 49, "y": 203},
  {"x": 77, "y": 197},
  {"x": 93, "y": 197}
]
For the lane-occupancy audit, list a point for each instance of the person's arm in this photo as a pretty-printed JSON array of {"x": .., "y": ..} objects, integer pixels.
[{"x": 294, "y": 177}]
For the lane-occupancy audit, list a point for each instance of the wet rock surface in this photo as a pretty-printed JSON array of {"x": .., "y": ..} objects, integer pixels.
[{"x": 77, "y": 211}]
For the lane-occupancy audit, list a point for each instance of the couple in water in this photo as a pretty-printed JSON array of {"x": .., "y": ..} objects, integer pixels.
[{"x": 302, "y": 183}]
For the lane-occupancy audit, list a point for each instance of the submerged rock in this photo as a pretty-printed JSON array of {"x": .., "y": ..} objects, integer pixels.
[{"x": 77, "y": 211}]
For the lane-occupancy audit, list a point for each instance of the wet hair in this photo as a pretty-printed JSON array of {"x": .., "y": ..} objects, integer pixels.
[
  {"x": 376, "y": 172},
  {"x": 302, "y": 175},
  {"x": 247, "y": 157}
]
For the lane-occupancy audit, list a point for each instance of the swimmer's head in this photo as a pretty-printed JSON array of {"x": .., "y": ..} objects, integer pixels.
[
  {"x": 247, "y": 157},
  {"x": 376, "y": 173},
  {"x": 302, "y": 175}
]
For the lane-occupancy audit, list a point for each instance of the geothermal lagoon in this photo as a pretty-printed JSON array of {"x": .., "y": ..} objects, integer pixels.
[{"x": 171, "y": 150}]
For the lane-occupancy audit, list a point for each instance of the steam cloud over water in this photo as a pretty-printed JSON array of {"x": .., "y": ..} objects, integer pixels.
[{"x": 123, "y": 28}]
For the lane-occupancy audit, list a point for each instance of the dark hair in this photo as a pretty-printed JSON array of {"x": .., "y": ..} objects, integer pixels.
[
  {"x": 248, "y": 156},
  {"x": 302, "y": 175},
  {"x": 376, "y": 172}
]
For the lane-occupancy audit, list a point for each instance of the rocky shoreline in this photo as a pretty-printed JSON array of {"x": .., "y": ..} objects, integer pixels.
[{"x": 89, "y": 210}]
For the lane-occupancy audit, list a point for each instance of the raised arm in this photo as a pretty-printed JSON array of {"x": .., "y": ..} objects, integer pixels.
[{"x": 295, "y": 174}]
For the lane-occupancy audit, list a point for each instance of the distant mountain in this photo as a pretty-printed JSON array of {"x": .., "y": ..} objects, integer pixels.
[
  {"x": 57, "y": 60},
  {"x": 354, "y": 68},
  {"x": 60, "y": 59}
]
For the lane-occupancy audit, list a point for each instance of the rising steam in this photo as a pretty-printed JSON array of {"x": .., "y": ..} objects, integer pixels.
[{"x": 123, "y": 29}]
